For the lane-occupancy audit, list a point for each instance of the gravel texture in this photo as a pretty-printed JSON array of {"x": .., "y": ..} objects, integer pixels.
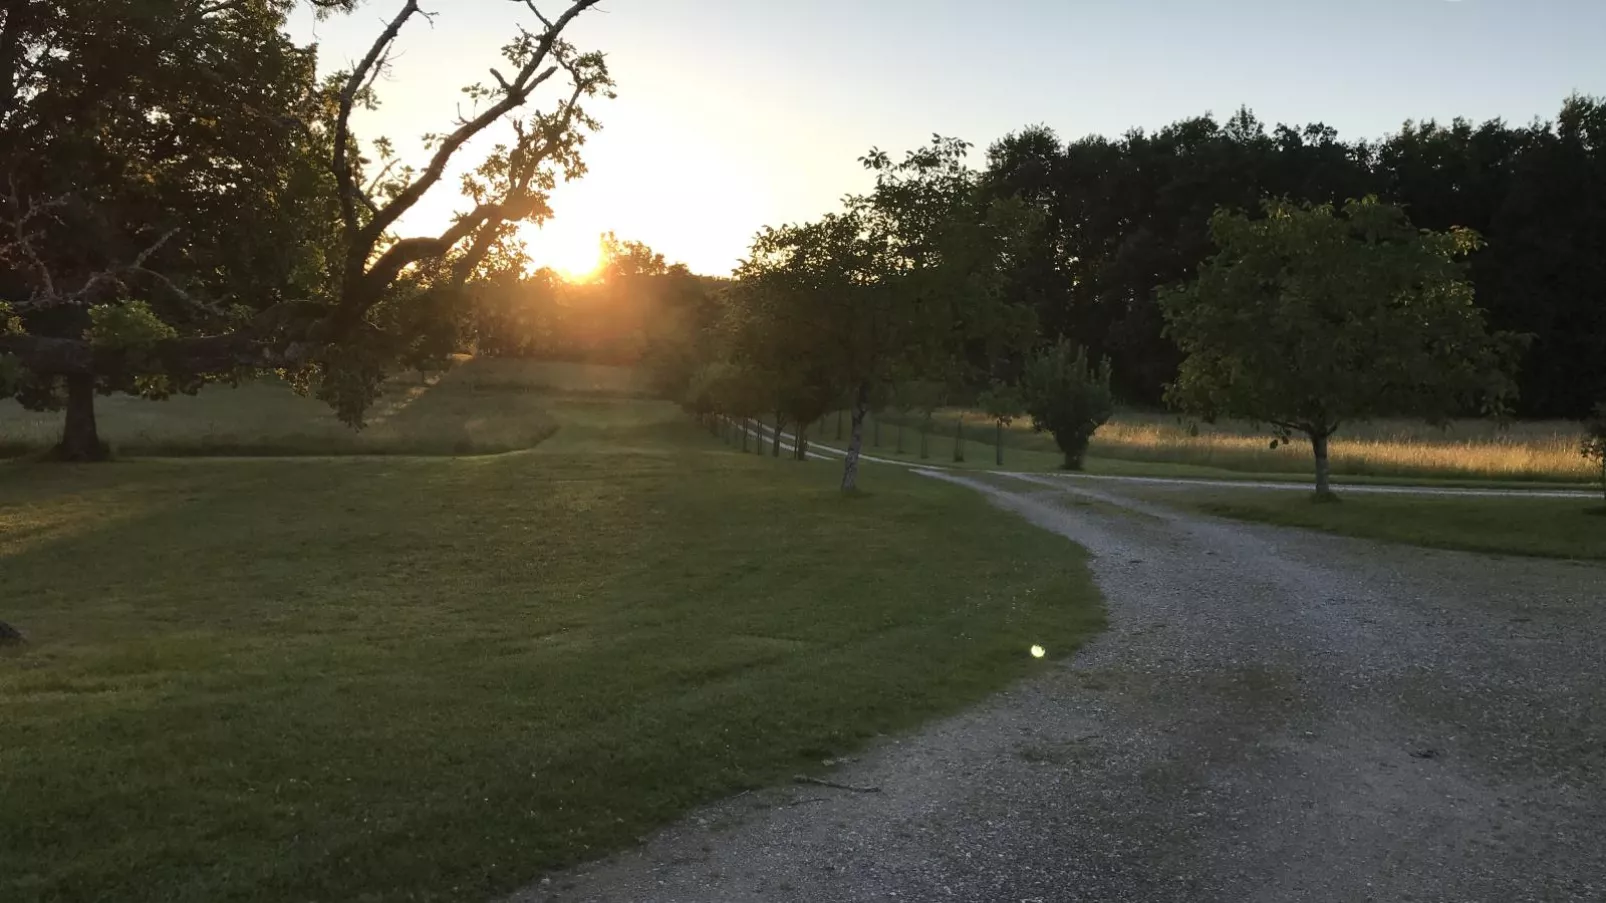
[{"x": 1274, "y": 715}]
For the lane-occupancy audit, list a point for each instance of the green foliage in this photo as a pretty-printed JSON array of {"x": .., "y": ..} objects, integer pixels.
[
  {"x": 1127, "y": 214},
  {"x": 1068, "y": 396},
  {"x": 1308, "y": 319},
  {"x": 126, "y": 325},
  {"x": 904, "y": 285},
  {"x": 189, "y": 154},
  {"x": 1002, "y": 402}
]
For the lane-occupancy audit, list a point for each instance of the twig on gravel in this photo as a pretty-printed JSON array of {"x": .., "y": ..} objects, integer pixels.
[
  {"x": 805, "y": 779},
  {"x": 812, "y": 799}
]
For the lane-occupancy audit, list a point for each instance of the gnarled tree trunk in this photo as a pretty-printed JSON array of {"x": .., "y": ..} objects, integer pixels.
[{"x": 80, "y": 438}]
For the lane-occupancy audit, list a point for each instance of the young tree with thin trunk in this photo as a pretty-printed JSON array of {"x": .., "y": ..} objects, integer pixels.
[
  {"x": 904, "y": 278},
  {"x": 1310, "y": 318},
  {"x": 1003, "y": 404}
]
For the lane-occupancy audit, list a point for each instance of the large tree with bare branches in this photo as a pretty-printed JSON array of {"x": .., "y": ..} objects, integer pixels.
[{"x": 183, "y": 198}]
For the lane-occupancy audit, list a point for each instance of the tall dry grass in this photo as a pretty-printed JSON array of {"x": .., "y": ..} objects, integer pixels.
[
  {"x": 1533, "y": 451},
  {"x": 1468, "y": 449}
]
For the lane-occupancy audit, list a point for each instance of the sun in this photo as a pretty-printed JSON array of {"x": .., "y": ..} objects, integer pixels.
[{"x": 576, "y": 256}]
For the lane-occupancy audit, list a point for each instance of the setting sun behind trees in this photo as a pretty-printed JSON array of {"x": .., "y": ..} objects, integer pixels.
[{"x": 574, "y": 255}]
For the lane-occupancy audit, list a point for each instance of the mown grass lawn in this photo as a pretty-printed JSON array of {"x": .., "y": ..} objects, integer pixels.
[
  {"x": 436, "y": 678},
  {"x": 481, "y": 407},
  {"x": 1551, "y": 528}
]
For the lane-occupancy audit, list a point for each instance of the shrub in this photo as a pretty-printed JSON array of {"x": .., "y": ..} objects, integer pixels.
[{"x": 1069, "y": 397}]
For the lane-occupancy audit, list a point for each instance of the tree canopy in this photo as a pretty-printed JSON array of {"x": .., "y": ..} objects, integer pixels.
[
  {"x": 1127, "y": 215},
  {"x": 184, "y": 156},
  {"x": 1309, "y": 318},
  {"x": 905, "y": 283}
]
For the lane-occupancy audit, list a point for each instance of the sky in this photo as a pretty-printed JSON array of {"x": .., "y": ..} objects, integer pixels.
[{"x": 736, "y": 114}]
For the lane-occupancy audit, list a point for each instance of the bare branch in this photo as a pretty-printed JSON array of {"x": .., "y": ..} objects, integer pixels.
[
  {"x": 114, "y": 275},
  {"x": 532, "y": 75},
  {"x": 409, "y": 251},
  {"x": 531, "y": 4},
  {"x": 360, "y": 75}
]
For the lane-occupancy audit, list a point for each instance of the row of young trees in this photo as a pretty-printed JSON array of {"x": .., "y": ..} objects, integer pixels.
[
  {"x": 1305, "y": 317},
  {"x": 903, "y": 287}
]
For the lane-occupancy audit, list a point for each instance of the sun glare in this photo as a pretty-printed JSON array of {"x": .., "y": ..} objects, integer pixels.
[{"x": 575, "y": 256}]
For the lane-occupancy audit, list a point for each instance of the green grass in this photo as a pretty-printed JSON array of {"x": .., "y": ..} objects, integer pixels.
[
  {"x": 410, "y": 678},
  {"x": 1551, "y": 528},
  {"x": 481, "y": 407}
]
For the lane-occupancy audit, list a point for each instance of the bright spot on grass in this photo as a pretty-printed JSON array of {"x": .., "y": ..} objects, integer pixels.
[{"x": 1038, "y": 652}]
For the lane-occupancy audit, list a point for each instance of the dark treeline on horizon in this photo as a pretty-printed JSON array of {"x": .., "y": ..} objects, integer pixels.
[{"x": 1128, "y": 215}]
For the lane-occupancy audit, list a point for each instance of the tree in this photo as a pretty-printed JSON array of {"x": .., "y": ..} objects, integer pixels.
[
  {"x": 1127, "y": 215},
  {"x": 935, "y": 253},
  {"x": 1309, "y": 318},
  {"x": 1594, "y": 444},
  {"x": 1068, "y": 397},
  {"x": 1002, "y": 402},
  {"x": 182, "y": 155}
]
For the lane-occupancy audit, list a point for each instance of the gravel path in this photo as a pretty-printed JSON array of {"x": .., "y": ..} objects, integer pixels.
[{"x": 1274, "y": 715}]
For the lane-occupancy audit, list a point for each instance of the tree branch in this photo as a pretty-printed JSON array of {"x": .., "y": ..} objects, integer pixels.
[
  {"x": 360, "y": 75},
  {"x": 529, "y": 77}
]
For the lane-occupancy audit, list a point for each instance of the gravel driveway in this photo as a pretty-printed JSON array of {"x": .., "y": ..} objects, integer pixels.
[{"x": 1274, "y": 715}]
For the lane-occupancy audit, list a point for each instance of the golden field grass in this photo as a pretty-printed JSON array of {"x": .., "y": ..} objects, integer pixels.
[
  {"x": 1532, "y": 451},
  {"x": 1540, "y": 451}
]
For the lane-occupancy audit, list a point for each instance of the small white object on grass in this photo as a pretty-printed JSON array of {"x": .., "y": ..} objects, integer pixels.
[{"x": 1038, "y": 652}]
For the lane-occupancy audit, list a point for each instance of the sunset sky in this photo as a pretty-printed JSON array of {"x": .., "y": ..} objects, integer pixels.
[{"x": 732, "y": 115}]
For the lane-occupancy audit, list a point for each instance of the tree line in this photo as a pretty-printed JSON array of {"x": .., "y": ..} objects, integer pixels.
[
  {"x": 1302, "y": 316},
  {"x": 1128, "y": 216}
]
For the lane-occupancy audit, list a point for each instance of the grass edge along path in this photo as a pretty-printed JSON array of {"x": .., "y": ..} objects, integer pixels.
[
  {"x": 1533, "y": 527},
  {"x": 438, "y": 679}
]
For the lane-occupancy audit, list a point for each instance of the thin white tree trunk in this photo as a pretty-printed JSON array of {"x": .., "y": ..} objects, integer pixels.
[{"x": 850, "y": 462}]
